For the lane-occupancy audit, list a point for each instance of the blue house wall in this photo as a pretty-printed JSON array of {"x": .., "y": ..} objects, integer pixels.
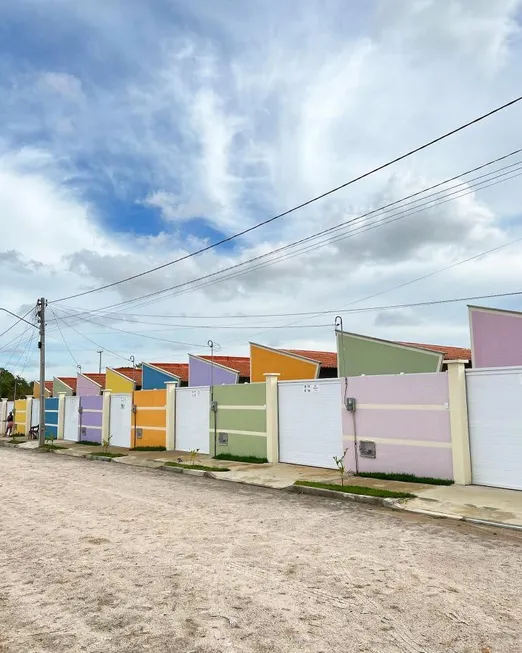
[
  {"x": 51, "y": 417},
  {"x": 153, "y": 379}
]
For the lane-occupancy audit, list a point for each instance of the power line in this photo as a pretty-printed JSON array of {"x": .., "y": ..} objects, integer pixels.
[
  {"x": 20, "y": 319},
  {"x": 383, "y": 220},
  {"x": 135, "y": 333},
  {"x": 299, "y": 206},
  {"x": 64, "y": 341}
]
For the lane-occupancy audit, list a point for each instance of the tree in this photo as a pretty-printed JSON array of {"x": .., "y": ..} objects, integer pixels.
[{"x": 8, "y": 382}]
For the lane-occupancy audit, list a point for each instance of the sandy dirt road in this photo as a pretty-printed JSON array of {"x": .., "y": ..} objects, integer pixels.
[{"x": 105, "y": 557}]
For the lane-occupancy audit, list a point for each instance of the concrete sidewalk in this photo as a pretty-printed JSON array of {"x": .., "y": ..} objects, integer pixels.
[{"x": 471, "y": 502}]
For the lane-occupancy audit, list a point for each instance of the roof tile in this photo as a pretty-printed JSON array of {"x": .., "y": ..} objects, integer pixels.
[{"x": 177, "y": 369}]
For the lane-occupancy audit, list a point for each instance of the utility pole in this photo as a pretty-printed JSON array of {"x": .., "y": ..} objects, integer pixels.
[
  {"x": 40, "y": 312},
  {"x": 100, "y": 352}
]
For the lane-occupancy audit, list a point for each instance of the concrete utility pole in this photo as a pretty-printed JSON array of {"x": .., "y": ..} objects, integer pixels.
[
  {"x": 100, "y": 352},
  {"x": 41, "y": 304}
]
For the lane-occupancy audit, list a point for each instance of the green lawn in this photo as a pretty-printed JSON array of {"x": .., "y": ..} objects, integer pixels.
[
  {"x": 357, "y": 489},
  {"x": 406, "y": 478},
  {"x": 108, "y": 454},
  {"x": 204, "y": 468},
  {"x": 241, "y": 459}
]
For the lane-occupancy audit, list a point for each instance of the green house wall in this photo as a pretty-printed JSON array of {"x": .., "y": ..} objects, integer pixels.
[
  {"x": 59, "y": 387},
  {"x": 362, "y": 355},
  {"x": 245, "y": 425}
]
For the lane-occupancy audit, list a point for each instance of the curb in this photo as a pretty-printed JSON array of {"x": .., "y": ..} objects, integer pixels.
[
  {"x": 384, "y": 502},
  {"x": 183, "y": 470},
  {"x": 347, "y": 496}
]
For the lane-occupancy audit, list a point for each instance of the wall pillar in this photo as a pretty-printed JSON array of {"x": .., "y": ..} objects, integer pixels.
[
  {"x": 272, "y": 418},
  {"x": 459, "y": 422},
  {"x": 61, "y": 416},
  {"x": 3, "y": 416},
  {"x": 28, "y": 413},
  {"x": 170, "y": 419},
  {"x": 106, "y": 415}
]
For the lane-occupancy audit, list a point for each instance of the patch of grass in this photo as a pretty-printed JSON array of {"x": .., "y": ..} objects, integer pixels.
[
  {"x": 108, "y": 454},
  {"x": 52, "y": 447},
  {"x": 406, "y": 478},
  {"x": 149, "y": 449},
  {"x": 89, "y": 443},
  {"x": 241, "y": 459},
  {"x": 357, "y": 489},
  {"x": 204, "y": 468}
]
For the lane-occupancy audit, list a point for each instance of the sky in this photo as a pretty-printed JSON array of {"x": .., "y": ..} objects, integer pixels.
[{"x": 134, "y": 133}]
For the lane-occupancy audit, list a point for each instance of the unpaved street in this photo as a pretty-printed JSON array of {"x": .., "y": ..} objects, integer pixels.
[{"x": 104, "y": 557}]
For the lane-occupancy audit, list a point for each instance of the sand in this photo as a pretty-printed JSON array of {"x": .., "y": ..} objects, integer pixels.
[{"x": 105, "y": 557}]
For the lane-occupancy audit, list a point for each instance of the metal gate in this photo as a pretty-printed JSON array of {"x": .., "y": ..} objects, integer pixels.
[
  {"x": 193, "y": 419},
  {"x": 495, "y": 426},
  {"x": 71, "y": 427},
  {"x": 120, "y": 420},
  {"x": 35, "y": 412},
  {"x": 310, "y": 430}
]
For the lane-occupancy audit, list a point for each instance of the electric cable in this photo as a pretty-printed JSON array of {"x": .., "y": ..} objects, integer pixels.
[{"x": 299, "y": 206}]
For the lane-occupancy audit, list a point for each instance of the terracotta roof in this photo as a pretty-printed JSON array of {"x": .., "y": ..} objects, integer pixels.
[
  {"x": 49, "y": 386},
  {"x": 326, "y": 358},
  {"x": 177, "y": 369},
  {"x": 132, "y": 373},
  {"x": 240, "y": 364},
  {"x": 450, "y": 353},
  {"x": 97, "y": 378},
  {"x": 69, "y": 381}
]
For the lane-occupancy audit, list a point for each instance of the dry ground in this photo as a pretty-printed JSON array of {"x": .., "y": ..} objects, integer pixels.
[{"x": 107, "y": 558}]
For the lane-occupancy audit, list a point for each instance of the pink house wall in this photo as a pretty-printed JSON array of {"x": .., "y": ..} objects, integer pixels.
[
  {"x": 496, "y": 338},
  {"x": 407, "y": 416},
  {"x": 86, "y": 387}
]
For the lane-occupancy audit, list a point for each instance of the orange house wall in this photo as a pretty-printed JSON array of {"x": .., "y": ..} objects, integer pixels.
[
  {"x": 151, "y": 416},
  {"x": 289, "y": 368}
]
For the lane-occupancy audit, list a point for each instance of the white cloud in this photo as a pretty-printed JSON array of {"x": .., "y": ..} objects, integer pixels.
[{"x": 244, "y": 113}]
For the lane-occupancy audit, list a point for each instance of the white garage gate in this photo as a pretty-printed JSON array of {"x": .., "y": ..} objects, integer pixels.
[
  {"x": 71, "y": 430},
  {"x": 193, "y": 419},
  {"x": 495, "y": 426},
  {"x": 120, "y": 420},
  {"x": 310, "y": 431},
  {"x": 35, "y": 412}
]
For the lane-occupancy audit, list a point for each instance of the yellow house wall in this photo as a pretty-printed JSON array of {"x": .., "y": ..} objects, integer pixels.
[
  {"x": 264, "y": 361},
  {"x": 20, "y": 410},
  {"x": 117, "y": 383},
  {"x": 150, "y": 416}
]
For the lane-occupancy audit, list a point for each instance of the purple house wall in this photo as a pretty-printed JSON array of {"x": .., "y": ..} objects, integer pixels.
[
  {"x": 86, "y": 387},
  {"x": 91, "y": 418},
  {"x": 406, "y": 417},
  {"x": 202, "y": 374},
  {"x": 496, "y": 337}
]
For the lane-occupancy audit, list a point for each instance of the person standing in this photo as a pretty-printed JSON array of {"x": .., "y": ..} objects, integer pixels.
[{"x": 10, "y": 424}]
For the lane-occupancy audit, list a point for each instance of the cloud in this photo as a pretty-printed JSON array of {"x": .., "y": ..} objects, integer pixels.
[
  {"x": 396, "y": 318},
  {"x": 226, "y": 116}
]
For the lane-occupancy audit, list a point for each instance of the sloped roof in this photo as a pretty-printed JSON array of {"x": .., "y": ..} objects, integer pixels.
[
  {"x": 177, "y": 369},
  {"x": 326, "y": 358},
  {"x": 240, "y": 364},
  {"x": 133, "y": 373},
  {"x": 450, "y": 353},
  {"x": 97, "y": 378},
  {"x": 69, "y": 381},
  {"x": 49, "y": 386}
]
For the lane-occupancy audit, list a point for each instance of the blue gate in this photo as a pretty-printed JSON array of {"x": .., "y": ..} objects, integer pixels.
[{"x": 51, "y": 418}]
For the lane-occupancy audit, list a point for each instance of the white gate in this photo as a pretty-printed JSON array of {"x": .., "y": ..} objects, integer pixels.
[
  {"x": 35, "y": 412},
  {"x": 495, "y": 426},
  {"x": 71, "y": 428},
  {"x": 310, "y": 431},
  {"x": 120, "y": 420},
  {"x": 193, "y": 419}
]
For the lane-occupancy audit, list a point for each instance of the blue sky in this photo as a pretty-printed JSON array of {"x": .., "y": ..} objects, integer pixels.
[{"x": 136, "y": 132}]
